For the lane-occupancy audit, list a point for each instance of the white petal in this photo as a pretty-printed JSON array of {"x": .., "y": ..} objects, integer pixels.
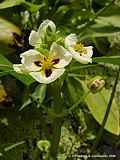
[
  {"x": 34, "y": 38},
  {"x": 41, "y": 78},
  {"x": 19, "y": 68},
  {"x": 70, "y": 40},
  {"x": 89, "y": 51},
  {"x": 82, "y": 59},
  {"x": 30, "y": 52},
  {"x": 43, "y": 27},
  {"x": 85, "y": 60},
  {"x": 28, "y": 59},
  {"x": 60, "y": 52}
]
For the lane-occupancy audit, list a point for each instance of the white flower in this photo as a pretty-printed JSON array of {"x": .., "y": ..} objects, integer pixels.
[
  {"x": 36, "y": 38},
  {"x": 44, "y": 69},
  {"x": 79, "y": 52}
]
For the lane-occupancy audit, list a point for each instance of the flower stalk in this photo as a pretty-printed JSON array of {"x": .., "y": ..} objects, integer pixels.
[{"x": 57, "y": 121}]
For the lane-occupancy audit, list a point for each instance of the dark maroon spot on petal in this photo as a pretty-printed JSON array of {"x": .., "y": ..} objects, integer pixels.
[
  {"x": 38, "y": 63},
  {"x": 55, "y": 61},
  {"x": 48, "y": 72}
]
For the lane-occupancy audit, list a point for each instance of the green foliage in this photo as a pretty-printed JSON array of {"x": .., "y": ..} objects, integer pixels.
[
  {"x": 7, "y": 65},
  {"x": 111, "y": 59},
  {"x": 22, "y": 124},
  {"x": 10, "y": 3},
  {"x": 37, "y": 96},
  {"x": 73, "y": 92},
  {"x": 98, "y": 109}
]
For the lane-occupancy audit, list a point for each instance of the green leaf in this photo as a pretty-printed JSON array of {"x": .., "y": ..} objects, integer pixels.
[
  {"x": 111, "y": 59},
  {"x": 106, "y": 24},
  {"x": 97, "y": 104},
  {"x": 113, "y": 20},
  {"x": 24, "y": 78},
  {"x": 111, "y": 10},
  {"x": 25, "y": 104},
  {"x": 6, "y": 65},
  {"x": 39, "y": 93},
  {"x": 10, "y": 3},
  {"x": 99, "y": 30},
  {"x": 3, "y": 74},
  {"x": 38, "y": 96},
  {"x": 33, "y": 7},
  {"x": 72, "y": 90},
  {"x": 110, "y": 16}
]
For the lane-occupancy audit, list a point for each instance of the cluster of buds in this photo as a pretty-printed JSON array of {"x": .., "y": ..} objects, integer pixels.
[{"x": 51, "y": 54}]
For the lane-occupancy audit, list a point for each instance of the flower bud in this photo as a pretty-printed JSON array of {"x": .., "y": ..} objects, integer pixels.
[{"x": 96, "y": 84}]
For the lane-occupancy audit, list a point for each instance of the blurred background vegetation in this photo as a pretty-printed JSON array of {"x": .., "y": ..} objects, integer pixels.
[{"x": 97, "y": 23}]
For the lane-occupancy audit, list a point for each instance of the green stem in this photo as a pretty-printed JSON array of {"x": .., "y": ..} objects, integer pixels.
[
  {"x": 57, "y": 121},
  {"x": 55, "y": 138},
  {"x": 100, "y": 133}
]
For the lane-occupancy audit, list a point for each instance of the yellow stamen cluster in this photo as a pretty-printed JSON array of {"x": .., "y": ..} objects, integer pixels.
[
  {"x": 79, "y": 47},
  {"x": 46, "y": 63}
]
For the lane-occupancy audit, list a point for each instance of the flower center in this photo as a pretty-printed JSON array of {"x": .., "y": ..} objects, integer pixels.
[
  {"x": 46, "y": 64},
  {"x": 79, "y": 47}
]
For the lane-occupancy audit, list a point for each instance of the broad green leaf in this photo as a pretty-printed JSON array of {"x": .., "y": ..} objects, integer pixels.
[
  {"x": 111, "y": 59},
  {"x": 110, "y": 16},
  {"x": 6, "y": 31},
  {"x": 113, "y": 20},
  {"x": 99, "y": 30},
  {"x": 26, "y": 79},
  {"x": 97, "y": 104},
  {"x": 38, "y": 95},
  {"x": 6, "y": 65},
  {"x": 73, "y": 90},
  {"x": 10, "y": 3}
]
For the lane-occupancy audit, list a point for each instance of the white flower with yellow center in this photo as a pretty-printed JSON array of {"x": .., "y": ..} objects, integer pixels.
[
  {"x": 79, "y": 52},
  {"x": 44, "y": 69},
  {"x": 36, "y": 38}
]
